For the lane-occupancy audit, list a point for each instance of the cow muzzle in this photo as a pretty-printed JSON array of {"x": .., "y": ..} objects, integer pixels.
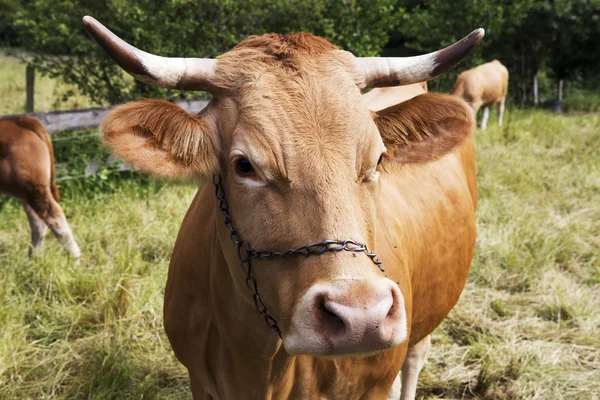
[{"x": 348, "y": 317}]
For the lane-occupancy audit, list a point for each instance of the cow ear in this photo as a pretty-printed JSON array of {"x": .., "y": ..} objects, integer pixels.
[
  {"x": 425, "y": 127},
  {"x": 163, "y": 139}
]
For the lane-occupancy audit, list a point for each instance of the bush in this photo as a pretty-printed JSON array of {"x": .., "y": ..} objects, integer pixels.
[
  {"x": 183, "y": 28},
  {"x": 584, "y": 100}
]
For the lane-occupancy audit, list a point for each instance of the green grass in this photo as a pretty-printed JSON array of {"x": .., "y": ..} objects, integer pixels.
[
  {"x": 48, "y": 92},
  {"x": 93, "y": 330},
  {"x": 526, "y": 327}
]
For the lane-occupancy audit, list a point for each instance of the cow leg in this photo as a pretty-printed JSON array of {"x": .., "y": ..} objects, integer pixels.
[
  {"x": 396, "y": 388},
  {"x": 413, "y": 363},
  {"x": 198, "y": 392},
  {"x": 51, "y": 213},
  {"x": 501, "y": 110},
  {"x": 38, "y": 229},
  {"x": 484, "y": 118}
]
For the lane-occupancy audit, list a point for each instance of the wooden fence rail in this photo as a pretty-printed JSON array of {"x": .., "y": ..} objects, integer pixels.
[
  {"x": 85, "y": 118},
  {"x": 58, "y": 121}
]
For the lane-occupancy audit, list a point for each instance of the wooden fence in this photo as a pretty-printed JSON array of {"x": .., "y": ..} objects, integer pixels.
[
  {"x": 58, "y": 121},
  {"x": 85, "y": 118}
]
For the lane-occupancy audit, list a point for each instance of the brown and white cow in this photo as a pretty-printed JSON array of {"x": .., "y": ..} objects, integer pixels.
[
  {"x": 384, "y": 97},
  {"x": 484, "y": 86},
  {"x": 27, "y": 173},
  {"x": 298, "y": 158}
]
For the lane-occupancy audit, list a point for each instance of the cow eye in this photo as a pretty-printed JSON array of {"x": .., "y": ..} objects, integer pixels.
[{"x": 243, "y": 166}]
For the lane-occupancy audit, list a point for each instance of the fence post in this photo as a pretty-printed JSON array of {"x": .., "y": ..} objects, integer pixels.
[
  {"x": 535, "y": 90},
  {"x": 30, "y": 79},
  {"x": 560, "y": 90}
]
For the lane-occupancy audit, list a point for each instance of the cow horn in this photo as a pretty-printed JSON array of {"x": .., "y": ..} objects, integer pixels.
[
  {"x": 174, "y": 73},
  {"x": 393, "y": 71}
]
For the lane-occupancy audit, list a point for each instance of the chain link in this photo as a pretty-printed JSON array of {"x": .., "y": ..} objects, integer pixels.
[{"x": 246, "y": 253}]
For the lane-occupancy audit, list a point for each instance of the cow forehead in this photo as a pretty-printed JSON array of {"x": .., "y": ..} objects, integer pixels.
[
  {"x": 287, "y": 54},
  {"x": 298, "y": 103},
  {"x": 308, "y": 121}
]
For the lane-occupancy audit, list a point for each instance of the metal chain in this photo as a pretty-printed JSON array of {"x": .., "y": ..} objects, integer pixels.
[
  {"x": 316, "y": 249},
  {"x": 251, "y": 283},
  {"x": 246, "y": 253}
]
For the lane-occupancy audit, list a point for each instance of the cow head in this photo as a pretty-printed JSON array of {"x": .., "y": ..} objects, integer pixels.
[{"x": 301, "y": 161}]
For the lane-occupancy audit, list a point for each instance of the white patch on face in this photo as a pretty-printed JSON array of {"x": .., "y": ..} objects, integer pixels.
[{"x": 372, "y": 175}]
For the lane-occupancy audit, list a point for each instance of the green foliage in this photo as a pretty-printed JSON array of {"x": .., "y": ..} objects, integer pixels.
[
  {"x": 183, "y": 28},
  {"x": 76, "y": 151},
  {"x": 574, "y": 46},
  {"x": 528, "y": 36},
  {"x": 582, "y": 100},
  {"x": 555, "y": 39},
  {"x": 8, "y": 36},
  {"x": 431, "y": 24}
]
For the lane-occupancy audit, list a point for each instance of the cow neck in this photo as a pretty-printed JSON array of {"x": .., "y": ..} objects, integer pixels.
[{"x": 245, "y": 253}]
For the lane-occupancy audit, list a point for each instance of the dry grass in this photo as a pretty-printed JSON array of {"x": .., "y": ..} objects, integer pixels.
[
  {"x": 528, "y": 323},
  {"x": 94, "y": 330},
  {"x": 526, "y": 327},
  {"x": 48, "y": 92}
]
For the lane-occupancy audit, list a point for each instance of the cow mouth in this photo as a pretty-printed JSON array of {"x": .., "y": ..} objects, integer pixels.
[{"x": 331, "y": 349}]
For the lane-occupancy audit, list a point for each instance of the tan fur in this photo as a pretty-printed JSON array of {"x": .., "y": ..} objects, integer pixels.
[
  {"x": 27, "y": 173},
  {"x": 162, "y": 138},
  {"x": 288, "y": 49},
  {"x": 424, "y": 128},
  {"x": 296, "y": 113},
  {"x": 483, "y": 86}
]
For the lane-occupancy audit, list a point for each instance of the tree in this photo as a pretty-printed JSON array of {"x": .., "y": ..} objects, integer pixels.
[
  {"x": 8, "y": 36},
  {"x": 557, "y": 37},
  {"x": 183, "y": 28},
  {"x": 574, "y": 54},
  {"x": 431, "y": 24}
]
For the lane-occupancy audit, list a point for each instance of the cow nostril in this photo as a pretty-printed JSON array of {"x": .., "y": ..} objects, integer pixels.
[
  {"x": 330, "y": 321},
  {"x": 395, "y": 300},
  {"x": 391, "y": 310}
]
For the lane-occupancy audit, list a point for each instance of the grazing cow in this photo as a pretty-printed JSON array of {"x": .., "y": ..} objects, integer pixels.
[
  {"x": 483, "y": 86},
  {"x": 27, "y": 173},
  {"x": 251, "y": 308},
  {"x": 381, "y": 98}
]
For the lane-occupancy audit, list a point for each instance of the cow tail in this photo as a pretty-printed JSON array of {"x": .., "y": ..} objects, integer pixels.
[{"x": 53, "y": 188}]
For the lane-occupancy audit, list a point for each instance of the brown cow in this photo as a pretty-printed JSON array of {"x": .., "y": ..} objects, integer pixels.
[
  {"x": 381, "y": 98},
  {"x": 296, "y": 158},
  {"x": 27, "y": 173},
  {"x": 483, "y": 86}
]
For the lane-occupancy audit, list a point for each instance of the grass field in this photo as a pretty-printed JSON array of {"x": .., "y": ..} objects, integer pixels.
[
  {"x": 48, "y": 92},
  {"x": 526, "y": 327}
]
